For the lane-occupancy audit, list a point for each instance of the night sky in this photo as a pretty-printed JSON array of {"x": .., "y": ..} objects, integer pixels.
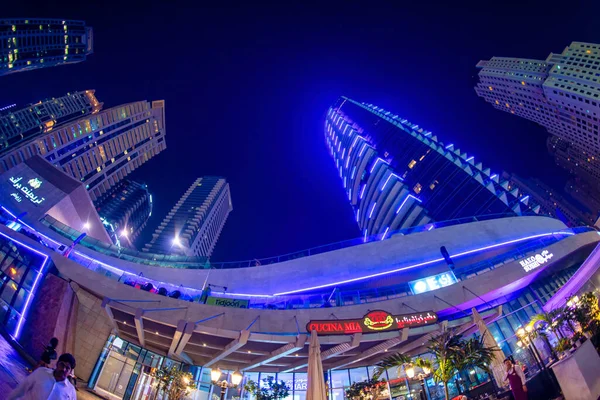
[{"x": 247, "y": 88}]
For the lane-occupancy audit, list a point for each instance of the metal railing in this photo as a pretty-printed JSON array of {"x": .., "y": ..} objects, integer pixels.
[{"x": 175, "y": 261}]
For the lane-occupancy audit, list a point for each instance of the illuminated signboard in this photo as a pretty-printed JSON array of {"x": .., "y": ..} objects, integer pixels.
[
  {"x": 225, "y": 302},
  {"x": 432, "y": 282},
  {"x": 26, "y": 190},
  {"x": 535, "y": 261},
  {"x": 374, "y": 321}
]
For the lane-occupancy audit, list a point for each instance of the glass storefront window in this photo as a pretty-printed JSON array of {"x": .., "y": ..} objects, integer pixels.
[
  {"x": 358, "y": 375},
  {"x": 336, "y": 394},
  {"x": 339, "y": 378}
]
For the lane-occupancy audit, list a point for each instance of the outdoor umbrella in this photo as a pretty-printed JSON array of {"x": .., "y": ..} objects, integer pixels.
[
  {"x": 316, "y": 380},
  {"x": 497, "y": 365}
]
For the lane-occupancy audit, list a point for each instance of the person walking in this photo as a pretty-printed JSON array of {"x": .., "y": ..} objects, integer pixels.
[
  {"x": 48, "y": 355},
  {"x": 516, "y": 379},
  {"x": 47, "y": 384}
]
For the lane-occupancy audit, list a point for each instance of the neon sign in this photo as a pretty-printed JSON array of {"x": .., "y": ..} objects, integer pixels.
[
  {"x": 28, "y": 190},
  {"x": 432, "y": 282},
  {"x": 535, "y": 261},
  {"x": 374, "y": 321}
]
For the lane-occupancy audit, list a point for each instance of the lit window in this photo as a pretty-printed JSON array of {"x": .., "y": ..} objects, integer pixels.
[
  {"x": 433, "y": 184},
  {"x": 523, "y": 83},
  {"x": 412, "y": 164},
  {"x": 418, "y": 188},
  {"x": 507, "y": 105},
  {"x": 497, "y": 102},
  {"x": 491, "y": 88}
]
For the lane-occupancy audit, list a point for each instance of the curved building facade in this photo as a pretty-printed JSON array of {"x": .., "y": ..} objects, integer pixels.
[
  {"x": 398, "y": 175},
  {"x": 123, "y": 313}
]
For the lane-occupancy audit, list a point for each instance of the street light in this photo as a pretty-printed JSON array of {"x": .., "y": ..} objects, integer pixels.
[
  {"x": 215, "y": 375},
  {"x": 176, "y": 241}
]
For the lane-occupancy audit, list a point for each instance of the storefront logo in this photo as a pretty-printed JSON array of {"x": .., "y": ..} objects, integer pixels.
[
  {"x": 378, "y": 320},
  {"x": 226, "y": 302},
  {"x": 535, "y": 261},
  {"x": 374, "y": 321},
  {"x": 432, "y": 282},
  {"x": 26, "y": 191}
]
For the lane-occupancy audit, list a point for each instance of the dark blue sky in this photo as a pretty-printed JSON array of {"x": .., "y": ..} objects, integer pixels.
[{"x": 247, "y": 86}]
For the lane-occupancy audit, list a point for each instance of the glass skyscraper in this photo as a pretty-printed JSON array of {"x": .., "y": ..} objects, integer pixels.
[
  {"x": 98, "y": 149},
  {"x": 125, "y": 210},
  {"x": 194, "y": 224},
  {"x": 17, "y": 125},
  {"x": 27, "y": 44},
  {"x": 398, "y": 175}
]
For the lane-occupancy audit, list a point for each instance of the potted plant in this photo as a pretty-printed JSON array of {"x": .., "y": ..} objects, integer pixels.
[
  {"x": 371, "y": 389},
  {"x": 174, "y": 383},
  {"x": 270, "y": 389},
  {"x": 562, "y": 347}
]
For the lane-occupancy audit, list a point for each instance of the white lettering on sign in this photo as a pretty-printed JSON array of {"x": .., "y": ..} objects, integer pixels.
[
  {"x": 28, "y": 191},
  {"x": 432, "y": 282},
  {"x": 535, "y": 261}
]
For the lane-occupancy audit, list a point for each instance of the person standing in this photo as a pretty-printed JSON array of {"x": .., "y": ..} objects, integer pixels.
[
  {"x": 48, "y": 355},
  {"x": 47, "y": 384},
  {"x": 516, "y": 379}
]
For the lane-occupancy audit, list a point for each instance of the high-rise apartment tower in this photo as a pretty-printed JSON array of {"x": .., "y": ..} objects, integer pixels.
[
  {"x": 194, "y": 224},
  {"x": 561, "y": 93},
  {"x": 33, "y": 43},
  {"x": 98, "y": 149}
]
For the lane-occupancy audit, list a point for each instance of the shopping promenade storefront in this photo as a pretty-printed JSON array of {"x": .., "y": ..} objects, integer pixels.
[{"x": 122, "y": 332}]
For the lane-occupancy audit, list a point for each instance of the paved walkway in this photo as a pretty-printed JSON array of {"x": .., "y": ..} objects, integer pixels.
[{"x": 13, "y": 369}]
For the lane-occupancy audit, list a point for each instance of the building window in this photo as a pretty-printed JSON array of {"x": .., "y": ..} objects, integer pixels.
[
  {"x": 418, "y": 188},
  {"x": 412, "y": 164}
]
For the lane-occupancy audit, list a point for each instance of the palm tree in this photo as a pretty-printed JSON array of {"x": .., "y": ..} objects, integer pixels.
[
  {"x": 451, "y": 354},
  {"x": 475, "y": 354},
  {"x": 541, "y": 333},
  {"x": 548, "y": 320},
  {"x": 446, "y": 349},
  {"x": 397, "y": 360}
]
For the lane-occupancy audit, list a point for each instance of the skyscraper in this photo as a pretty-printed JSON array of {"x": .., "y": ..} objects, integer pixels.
[
  {"x": 19, "y": 125},
  {"x": 27, "y": 44},
  {"x": 99, "y": 149},
  {"x": 398, "y": 175},
  {"x": 125, "y": 210},
  {"x": 561, "y": 93},
  {"x": 194, "y": 224}
]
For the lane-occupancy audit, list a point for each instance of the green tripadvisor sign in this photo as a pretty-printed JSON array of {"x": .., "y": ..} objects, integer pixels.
[{"x": 225, "y": 302}]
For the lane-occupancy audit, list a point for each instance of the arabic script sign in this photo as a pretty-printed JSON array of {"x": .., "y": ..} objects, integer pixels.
[
  {"x": 374, "y": 321},
  {"x": 26, "y": 190},
  {"x": 535, "y": 261}
]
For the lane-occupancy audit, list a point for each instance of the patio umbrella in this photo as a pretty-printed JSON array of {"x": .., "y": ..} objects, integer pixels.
[
  {"x": 316, "y": 380},
  {"x": 497, "y": 365}
]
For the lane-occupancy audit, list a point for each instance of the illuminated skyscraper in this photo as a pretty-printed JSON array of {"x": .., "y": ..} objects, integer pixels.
[
  {"x": 18, "y": 125},
  {"x": 561, "y": 93},
  {"x": 193, "y": 226},
  {"x": 27, "y": 44},
  {"x": 125, "y": 210},
  {"x": 99, "y": 149},
  {"x": 397, "y": 175}
]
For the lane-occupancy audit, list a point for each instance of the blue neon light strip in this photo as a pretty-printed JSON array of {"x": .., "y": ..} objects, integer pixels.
[
  {"x": 372, "y": 209},
  {"x": 23, "y": 313},
  {"x": 385, "y": 233},
  {"x": 404, "y": 202},
  {"x": 362, "y": 191},
  {"x": 362, "y": 149},
  {"x": 464, "y": 253},
  {"x": 470, "y": 158}
]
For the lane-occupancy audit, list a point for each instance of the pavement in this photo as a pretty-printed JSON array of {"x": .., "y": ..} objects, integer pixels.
[{"x": 14, "y": 368}]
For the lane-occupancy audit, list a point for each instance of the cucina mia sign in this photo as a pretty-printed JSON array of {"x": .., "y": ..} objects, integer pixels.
[{"x": 374, "y": 321}]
